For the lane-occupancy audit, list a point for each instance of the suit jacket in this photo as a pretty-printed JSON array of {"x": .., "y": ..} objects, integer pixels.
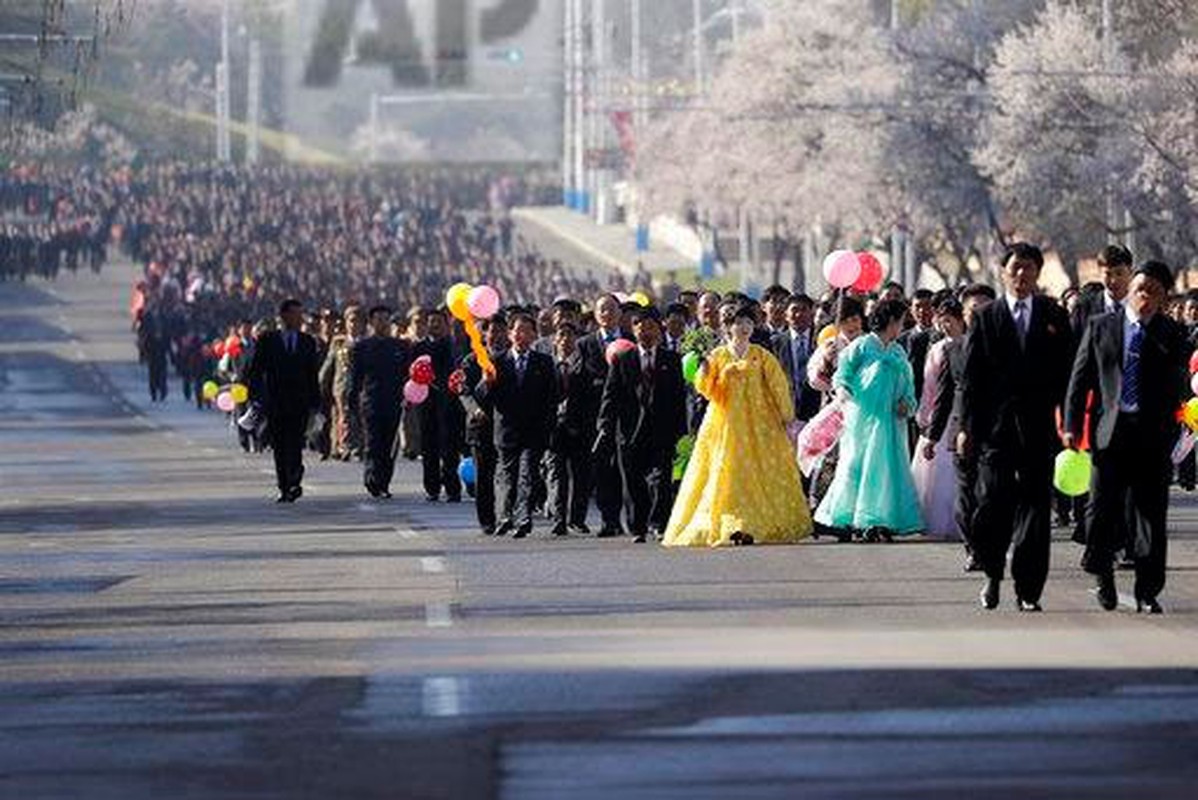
[
  {"x": 1098, "y": 368},
  {"x": 948, "y": 391},
  {"x": 575, "y": 419},
  {"x": 440, "y": 416},
  {"x": 592, "y": 353},
  {"x": 916, "y": 342},
  {"x": 1088, "y": 306},
  {"x": 806, "y": 400},
  {"x": 379, "y": 370},
  {"x": 644, "y": 417},
  {"x": 524, "y": 411},
  {"x": 1009, "y": 392},
  {"x": 285, "y": 382}
]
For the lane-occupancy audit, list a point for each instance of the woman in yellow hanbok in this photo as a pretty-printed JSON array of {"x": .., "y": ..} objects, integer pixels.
[{"x": 742, "y": 481}]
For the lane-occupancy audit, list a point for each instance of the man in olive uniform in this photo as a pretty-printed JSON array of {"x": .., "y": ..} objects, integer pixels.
[{"x": 347, "y": 434}]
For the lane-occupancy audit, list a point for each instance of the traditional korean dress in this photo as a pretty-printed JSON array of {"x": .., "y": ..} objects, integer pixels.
[
  {"x": 873, "y": 487},
  {"x": 742, "y": 476},
  {"x": 936, "y": 480}
]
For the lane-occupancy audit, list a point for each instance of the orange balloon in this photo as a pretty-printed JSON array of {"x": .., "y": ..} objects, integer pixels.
[{"x": 828, "y": 333}]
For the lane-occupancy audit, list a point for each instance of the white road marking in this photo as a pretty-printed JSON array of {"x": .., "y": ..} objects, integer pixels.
[
  {"x": 367, "y": 507},
  {"x": 407, "y": 533},
  {"x": 438, "y": 615},
  {"x": 442, "y": 697},
  {"x": 432, "y": 564}
]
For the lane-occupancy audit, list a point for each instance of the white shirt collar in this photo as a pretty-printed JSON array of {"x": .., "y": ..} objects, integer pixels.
[
  {"x": 1012, "y": 300},
  {"x": 1109, "y": 302}
]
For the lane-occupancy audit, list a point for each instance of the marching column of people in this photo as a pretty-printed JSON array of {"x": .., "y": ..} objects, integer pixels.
[{"x": 594, "y": 408}]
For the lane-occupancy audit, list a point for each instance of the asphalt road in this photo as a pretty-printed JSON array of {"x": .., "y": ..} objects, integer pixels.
[{"x": 168, "y": 631}]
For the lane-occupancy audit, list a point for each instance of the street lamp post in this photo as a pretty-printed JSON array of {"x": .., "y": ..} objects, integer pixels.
[{"x": 223, "y": 149}]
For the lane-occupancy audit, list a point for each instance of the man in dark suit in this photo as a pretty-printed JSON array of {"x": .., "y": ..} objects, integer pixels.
[
  {"x": 1135, "y": 363},
  {"x": 1017, "y": 358},
  {"x": 946, "y": 414},
  {"x": 592, "y": 351},
  {"x": 480, "y": 427},
  {"x": 282, "y": 377},
  {"x": 379, "y": 369},
  {"x": 644, "y": 412},
  {"x": 793, "y": 348},
  {"x": 441, "y": 418},
  {"x": 1115, "y": 264},
  {"x": 523, "y": 394},
  {"x": 569, "y": 462}
]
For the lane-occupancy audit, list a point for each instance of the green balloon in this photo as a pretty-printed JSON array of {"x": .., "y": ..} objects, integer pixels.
[
  {"x": 1071, "y": 475},
  {"x": 690, "y": 366}
]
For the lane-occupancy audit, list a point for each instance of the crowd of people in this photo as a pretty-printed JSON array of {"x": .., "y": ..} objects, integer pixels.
[
  {"x": 685, "y": 416},
  {"x": 948, "y": 411}
]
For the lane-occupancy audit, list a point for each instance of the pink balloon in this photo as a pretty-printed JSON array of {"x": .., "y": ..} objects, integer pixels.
[
  {"x": 483, "y": 302},
  {"x": 615, "y": 348},
  {"x": 225, "y": 402},
  {"x": 1194, "y": 383},
  {"x": 842, "y": 268},
  {"x": 415, "y": 393}
]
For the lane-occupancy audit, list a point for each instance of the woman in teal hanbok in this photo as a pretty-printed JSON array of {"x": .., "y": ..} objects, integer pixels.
[{"x": 873, "y": 490}]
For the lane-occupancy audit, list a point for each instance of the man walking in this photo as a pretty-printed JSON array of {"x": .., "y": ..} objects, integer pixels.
[
  {"x": 644, "y": 412},
  {"x": 380, "y": 365},
  {"x": 1017, "y": 357},
  {"x": 1135, "y": 364},
  {"x": 282, "y": 378}
]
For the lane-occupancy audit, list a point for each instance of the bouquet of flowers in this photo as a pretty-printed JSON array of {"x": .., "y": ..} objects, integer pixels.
[
  {"x": 820, "y": 435},
  {"x": 700, "y": 341}
]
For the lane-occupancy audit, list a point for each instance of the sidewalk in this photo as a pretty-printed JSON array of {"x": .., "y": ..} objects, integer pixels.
[{"x": 574, "y": 239}]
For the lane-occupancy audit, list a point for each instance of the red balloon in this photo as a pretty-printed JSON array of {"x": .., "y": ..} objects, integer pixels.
[
  {"x": 871, "y": 273},
  {"x": 218, "y": 348},
  {"x": 233, "y": 346},
  {"x": 615, "y": 348},
  {"x": 1194, "y": 363},
  {"x": 421, "y": 372}
]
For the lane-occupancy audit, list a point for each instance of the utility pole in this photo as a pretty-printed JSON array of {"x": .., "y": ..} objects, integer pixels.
[
  {"x": 223, "y": 148},
  {"x": 254, "y": 101},
  {"x": 697, "y": 10},
  {"x": 1116, "y": 216},
  {"x": 577, "y": 31},
  {"x": 568, "y": 198}
]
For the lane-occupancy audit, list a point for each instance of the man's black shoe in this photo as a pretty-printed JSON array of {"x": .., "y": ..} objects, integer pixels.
[
  {"x": 580, "y": 528},
  {"x": 609, "y": 533},
  {"x": 989, "y": 595},
  {"x": 1028, "y": 606},
  {"x": 1108, "y": 598},
  {"x": 504, "y": 529},
  {"x": 522, "y": 532}
]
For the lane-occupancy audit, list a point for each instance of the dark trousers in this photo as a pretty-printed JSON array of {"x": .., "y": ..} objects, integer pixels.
[
  {"x": 609, "y": 488},
  {"x": 1014, "y": 497},
  {"x": 1129, "y": 500},
  {"x": 650, "y": 478},
  {"x": 486, "y": 459},
  {"x": 287, "y": 438},
  {"x": 158, "y": 372},
  {"x": 570, "y": 482},
  {"x": 440, "y": 452},
  {"x": 377, "y": 457},
  {"x": 518, "y": 469},
  {"x": 967, "y": 502}
]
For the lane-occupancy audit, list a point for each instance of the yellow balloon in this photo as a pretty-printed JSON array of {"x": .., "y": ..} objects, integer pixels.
[
  {"x": 210, "y": 390},
  {"x": 239, "y": 392},
  {"x": 640, "y": 298},
  {"x": 457, "y": 299},
  {"x": 1190, "y": 413},
  {"x": 829, "y": 333}
]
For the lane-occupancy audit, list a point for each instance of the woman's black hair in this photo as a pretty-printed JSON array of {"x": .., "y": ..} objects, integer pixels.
[
  {"x": 952, "y": 307},
  {"x": 850, "y": 307},
  {"x": 745, "y": 311},
  {"x": 885, "y": 313}
]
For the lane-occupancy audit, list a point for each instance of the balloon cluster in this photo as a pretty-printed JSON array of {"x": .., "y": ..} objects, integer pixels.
[
  {"x": 861, "y": 272},
  {"x": 227, "y": 398},
  {"x": 420, "y": 377},
  {"x": 468, "y": 303}
]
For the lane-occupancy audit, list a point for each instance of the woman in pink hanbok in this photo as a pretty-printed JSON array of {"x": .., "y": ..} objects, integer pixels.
[{"x": 933, "y": 469}]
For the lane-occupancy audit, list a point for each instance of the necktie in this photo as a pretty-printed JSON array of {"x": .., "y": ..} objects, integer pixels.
[
  {"x": 521, "y": 363},
  {"x": 290, "y": 341},
  {"x": 1021, "y": 320},
  {"x": 1130, "y": 396}
]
